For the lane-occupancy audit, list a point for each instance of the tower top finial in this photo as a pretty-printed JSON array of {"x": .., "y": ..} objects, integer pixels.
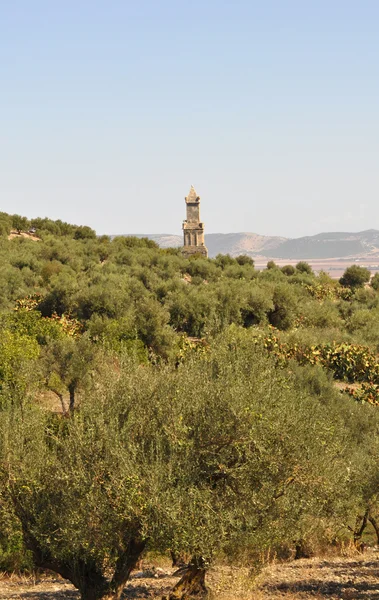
[{"x": 192, "y": 196}]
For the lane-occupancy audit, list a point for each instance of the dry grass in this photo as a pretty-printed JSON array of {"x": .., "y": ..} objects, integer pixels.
[{"x": 352, "y": 577}]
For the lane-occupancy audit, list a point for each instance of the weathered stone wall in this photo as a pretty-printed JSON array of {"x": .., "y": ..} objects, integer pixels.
[{"x": 193, "y": 213}]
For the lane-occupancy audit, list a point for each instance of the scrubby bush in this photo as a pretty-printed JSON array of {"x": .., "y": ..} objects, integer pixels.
[
  {"x": 304, "y": 267},
  {"x": 375, "y": 282},
  {"x": 271, "y": 265},
  {"x": 355, "y": 277},
  {"x": 288, "y": 270},
  {"x": 282, "y": 315},
  {"x": 244, "y": 259}
]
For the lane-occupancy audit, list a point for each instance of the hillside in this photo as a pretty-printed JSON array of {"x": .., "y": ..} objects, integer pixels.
[
  {"x": 329, "y": 245},
  {"x": 320, "y": 246}
]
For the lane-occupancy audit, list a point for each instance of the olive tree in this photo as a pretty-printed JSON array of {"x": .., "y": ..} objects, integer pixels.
[
  {"x": 20, "y": 223},
  {"x": 223, "y": 453},
  {"x": 355, "y": 277},
  {"x": 67, "y": 364}
]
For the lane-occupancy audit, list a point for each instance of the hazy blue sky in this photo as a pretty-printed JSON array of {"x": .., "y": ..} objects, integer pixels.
[{"x": 110, "y": 109}]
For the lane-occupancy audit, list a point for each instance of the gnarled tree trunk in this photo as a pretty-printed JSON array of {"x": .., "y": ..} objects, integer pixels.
[
  {"x": 192, "y": 583},
  {"x": 92, "y": 583},
  {"x": 87, "y": 576},
  {"x": 375, "y": 525}
]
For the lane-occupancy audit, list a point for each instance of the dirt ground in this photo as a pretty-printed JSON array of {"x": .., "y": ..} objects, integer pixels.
[
  {"x": 337, "y": 578},
  {"x": 24, "y": 234}
]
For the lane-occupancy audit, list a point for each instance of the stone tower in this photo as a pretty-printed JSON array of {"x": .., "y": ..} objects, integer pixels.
[{"x": 193, "y": 229}]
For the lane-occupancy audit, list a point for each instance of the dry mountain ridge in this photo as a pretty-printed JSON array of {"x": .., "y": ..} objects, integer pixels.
[
  {"x": 320, "y": 246},
  {"x": 329, "y": 245}
]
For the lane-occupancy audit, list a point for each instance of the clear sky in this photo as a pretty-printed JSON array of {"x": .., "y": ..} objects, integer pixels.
[{"x": 110, "y": 109}]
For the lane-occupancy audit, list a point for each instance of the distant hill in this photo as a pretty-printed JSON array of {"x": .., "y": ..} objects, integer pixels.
[
  {"x": 320, "y": 246},
  {"x": 329, "y": 245}
]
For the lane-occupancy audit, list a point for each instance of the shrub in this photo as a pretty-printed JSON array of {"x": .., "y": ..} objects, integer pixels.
[
  {"x": 304, "y": 267},
  {"x": 271, "y": 265},
  {"x": 244, "y": 259},
  {"x": 283, "y": 314},
  {"x": 375, "y": 282},
  {"x": 288, "y": 270},
  {"x": 355, "y": 277}
]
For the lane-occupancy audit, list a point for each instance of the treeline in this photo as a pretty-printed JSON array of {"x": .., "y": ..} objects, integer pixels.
[
  {"x": 127, "y": 288},
  {"x": 42, "y": 227},
  {"x": 185, "y": 406}
]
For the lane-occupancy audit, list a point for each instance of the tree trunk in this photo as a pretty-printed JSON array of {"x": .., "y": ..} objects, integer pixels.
[
  {"x": 71, "y": 391},
  {"x": 94, "y": 593},
  {"x": 125, "y": 565},
  {"x": 192, "y": 584},
  {"x": 375, "y": 525},
  {"x": 358, "y": 532},
  {"x": 301, "y": 550},
  {"x": 61, "y": 400},
  {"x": 86, "y": 576},
  {"x": 94, "y": 586}
]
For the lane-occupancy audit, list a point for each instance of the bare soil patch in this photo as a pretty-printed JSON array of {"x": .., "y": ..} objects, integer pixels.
[
  {"x": 24, "y": 234},
  {"x": 337, "y": 578}
]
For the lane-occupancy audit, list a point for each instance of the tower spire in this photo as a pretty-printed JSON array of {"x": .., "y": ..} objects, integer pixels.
[{"x": 192, "y": 196}]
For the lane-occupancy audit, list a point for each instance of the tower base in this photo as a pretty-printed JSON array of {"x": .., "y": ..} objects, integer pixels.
[{"x": 192, "y": 250}]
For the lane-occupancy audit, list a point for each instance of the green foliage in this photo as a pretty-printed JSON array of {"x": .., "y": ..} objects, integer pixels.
[
  {"x": 135, "y": 242},
  {"x": 225, "y": 452},
  {"x": 84, "y": 233},
  {"x": 20, "y": 223},
  {"x": 271, "y": 265},
  {"x": 62, "y": 229},
  {"x": 288, "y": 270},
  {"x": 355, "y": 277},
  {"x": 14, "y": 558},
  {"x": 244, "y": 259},
  {"x": 320, "y": 314},
  {"x": 5, "y": 224},
  {"x": 283, "y": 314},
  {"x": 201, "y": 411},
  {"x": 32, "y": 325},
  {"x": 224, "y": 260},
  {"x": 375, "y": 282},
  {"x": 18, "y": 354},
  {"x": 347, "y": 362},
  {"x": 67, "y": 364},
  {"x": 304, "y": 267},
  {"x": 366, "y": 392},
  {"x": 258, "y": 305}
]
